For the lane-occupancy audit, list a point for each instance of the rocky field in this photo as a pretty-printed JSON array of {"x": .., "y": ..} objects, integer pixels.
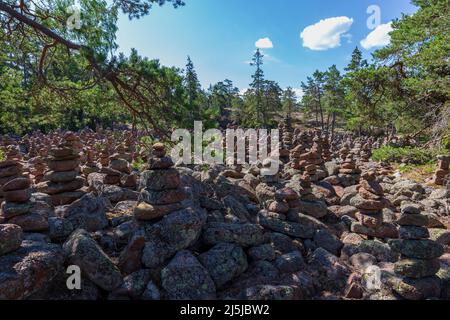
[{"x": 332, "y": 224}]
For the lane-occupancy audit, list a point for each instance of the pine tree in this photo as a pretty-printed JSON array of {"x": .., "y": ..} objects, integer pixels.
[
  {"x": 193, "y": 90},
  {"x": 258, "y": 81}
]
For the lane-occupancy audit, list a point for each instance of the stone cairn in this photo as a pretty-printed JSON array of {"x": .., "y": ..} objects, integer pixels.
[
  {"x": 349, "y": 171},
  {"x": 326, "y": 152},
  {"x": 366, "y": 152},
  {"x": 419, "y": 256},
  {"x": 18, "y": 208},
  {"x": 286, "y": 137},
  {"x": 161, "y": 191},
  {"x": 442, "y": 171},
  {"x": 370, "y": 202},
  {"x": 90, "y": 165},
  {"x": 63, "y": 183},
  {"x": 10, "y": 169}
]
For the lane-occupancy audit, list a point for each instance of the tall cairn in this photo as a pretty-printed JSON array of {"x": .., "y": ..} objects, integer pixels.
[
  {"x": 63, "y": 182},
  {"x": 370, "y": 202},
  {"x": 18, "y": 208},
  {"x": 442, "y": 171},
  {"x": 161, "y": 191},
  {"x": 419, "y": 256}
]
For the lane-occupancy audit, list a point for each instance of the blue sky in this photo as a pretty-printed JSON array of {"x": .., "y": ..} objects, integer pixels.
[{"x": 220, "y": 36}]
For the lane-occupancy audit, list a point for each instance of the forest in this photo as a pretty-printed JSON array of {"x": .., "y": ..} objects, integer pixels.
[{"x": 54, "y": 78}]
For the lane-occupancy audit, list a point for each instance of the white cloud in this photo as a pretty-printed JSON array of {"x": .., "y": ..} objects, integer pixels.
[
  {"x": 264, "y": 43},
  {"x": 299, "y": 93},
  {"x": 379, "y": 37},
  {"x": 326, "y": 34}
]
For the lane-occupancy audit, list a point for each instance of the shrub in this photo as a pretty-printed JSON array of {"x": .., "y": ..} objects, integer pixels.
[
  {"x": 2, "y": 155},
  {"x": 408, "y": 155}
]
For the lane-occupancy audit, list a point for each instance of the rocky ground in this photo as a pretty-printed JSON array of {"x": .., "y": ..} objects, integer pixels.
[{"x": 332, "y": 224}]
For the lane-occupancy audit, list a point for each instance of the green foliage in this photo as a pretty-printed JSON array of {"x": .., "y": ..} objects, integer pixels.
[
  {"x": 406, "y": 155},
  {"x": 2, "y": 155},
  {"x": 138, "y": 164}
]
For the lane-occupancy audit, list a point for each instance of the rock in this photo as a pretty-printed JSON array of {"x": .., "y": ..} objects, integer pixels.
[
  {"x": 9, "y": 209},
  {"x": 224, "y": 262},
  {"x": 159, "y": 180},
  {"x": 31, "y": 222},
  {"x": 440, "y": 194},
  {"x": 262, "y": 252},
  {"x": 16, "y": 184},
  {"x": 151, "y": 292},
  {"x": 10, "y": 238},
  {"x": 413, "y": 232},
  {"x": 17, "y": 195},
  {"x": 29, "y": 269},
  {"x": 145, "y": 211},
  {"x": 420, "y": 249},
  {"x": 417, "y": 268},
  {"x": 61, "y": 177},
  {"x": 133, "y": 285},
  {"x": 316, "y": 209},
  {"x": 284, "y": 244},
  {"x": 410, "y": 208},
  {"x": 53, "y": 188},
  {"x": 184, "y": 278},
  {"x": 84, "y": 252},
  {"x": 59, "y": 228},
  {"x": 418, "y": 289},
  {"x": 289, "y": 228},
  {"x": 88, "y": 213},
  {"x": 362, "y": 260},
  {"x": 328, "y": 271},
  {"x": 131, "y": 256},
  {"x": 163, "y": 197},
  {"x": 236, "y": 208},
  {"x": 328, "y": 241},
  {"x": 245, "y": 235},
  {"x": 418, "y": 220},
  {"x": 290, "y": 262},
  {"x": 176, "y": 231},
  {"x": 441, "y": 236},
  {"x": 271, "y": 292}
]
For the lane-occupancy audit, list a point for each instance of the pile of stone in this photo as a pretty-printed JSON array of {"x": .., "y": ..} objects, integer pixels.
[
  {"x": 344, "y": 151},
  {"x": 366, "y": 152},
  {"x": 118, "y": 164},
  {"x": 161, "y": 191},
  {"x": 63, "y": 182},
  {"x": 370, "y": 202},
  {"x": 349, "y": 171},
  {"x": 295, "y": 156},
  {"x": 286, "y": 130},
  {"x": 38, "y": 168},
  {"x": 9, "y": 170},
  {"x": 18, "y": 208},
  {"x": 89, "y": 166},
  {"x": 442, "y": 171},
  {"x": 326, "y": 152},
  {"x": 10, "y": 238},
  {"x": 419, "y": 256}
]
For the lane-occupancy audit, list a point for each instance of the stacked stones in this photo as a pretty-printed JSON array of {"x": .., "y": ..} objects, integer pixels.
[
  {"x": 89, "y": 166},
  {"x": 104, "y": 157},
  {"x": 161, "y": 191},
  {"x": 62, "y": 183},
  {"x": 9, "y": 170},
  {"x": 38, "y": 169},
  {"x": 120, "y": 165},
  {"x": 286, "y": 127},
  {"x": 442, "y": 171},
  {"x": 370, "y": 202},
  {"x": 348, "y": 166},
  {"x": 326, "y": 153},
  {"x": 344, "y": 151},
  {"x": 10, "y": 238},
  {"x": 419, "y": 255},
  {"x": 366, "y": 152},
  {"x": 17, "y": 208},
  {"x": 295, "y": 156}
]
